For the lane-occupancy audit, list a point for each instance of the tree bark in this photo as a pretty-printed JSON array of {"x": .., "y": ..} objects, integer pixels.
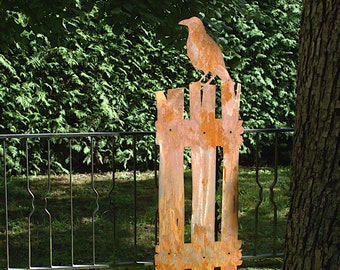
[{"x": 312, "y": 238}]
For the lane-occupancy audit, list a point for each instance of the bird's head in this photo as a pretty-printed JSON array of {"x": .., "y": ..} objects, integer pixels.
[{"x": 192, "y": 23}]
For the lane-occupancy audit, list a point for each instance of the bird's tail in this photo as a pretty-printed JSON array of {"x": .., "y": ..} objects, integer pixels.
[
  {"x": 223, "y": 73},
  {"x": 230, "y": 96}
]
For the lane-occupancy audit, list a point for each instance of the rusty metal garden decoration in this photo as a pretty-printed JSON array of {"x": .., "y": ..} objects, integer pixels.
[{"x": 202, "y": 133}]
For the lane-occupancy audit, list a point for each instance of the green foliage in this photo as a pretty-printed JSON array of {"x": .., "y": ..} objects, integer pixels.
[
  {"x": 71, "y": 66},
  {"x": 259, "y": 42}
]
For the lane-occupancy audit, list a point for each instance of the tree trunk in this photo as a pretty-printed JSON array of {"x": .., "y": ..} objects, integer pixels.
[{"x": 313, "y": 239}]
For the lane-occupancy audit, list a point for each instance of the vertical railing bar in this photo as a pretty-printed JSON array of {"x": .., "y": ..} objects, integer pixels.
[
  {"x": 272, "y": 193},
  {"x": 93, "y": 227},
  {"x": 113, "y": 170},
  {"x": 155, "y": 168},
  {"x": 33, "y": 207},
  {"x": 135, "y": 197},
  {"x": 112, "y": 200},
  {"x": 216, "y": 189},
  {"x": 6, "y": 204},
  {"x": 47, "y": 193},
  {"x": 218, "y": 175},
  {"x": 260, "y": 192},
  {"x": 276, "y": 179},
  {"x": 97, "y": 204},
  {"x": 71, "y": 203},
  {"x": 156, "y": 226},
  {"x": 155, "y": 156}
]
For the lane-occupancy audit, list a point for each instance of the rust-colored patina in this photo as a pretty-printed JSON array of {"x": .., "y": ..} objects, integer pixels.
[
  {"x": 203, "y": 52},
  {"x": 202, "y": 133}
]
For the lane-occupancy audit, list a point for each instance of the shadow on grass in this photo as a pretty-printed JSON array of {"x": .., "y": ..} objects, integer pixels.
[
  {"x": 116, "y": 220},
  {"x": 265, "y": 241},
  {"x": 112, "y": 230}
]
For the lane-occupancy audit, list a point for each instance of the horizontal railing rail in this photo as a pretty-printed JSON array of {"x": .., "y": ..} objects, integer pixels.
[
  {"x": 75, "y": 134},
  {"x": 43, "y": 217},
  {"x": 120, "y": 133}
]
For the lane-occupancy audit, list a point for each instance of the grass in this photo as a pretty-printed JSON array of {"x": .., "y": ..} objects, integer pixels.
[
  {"x": 249, "y": 198},
  {"x": 114, "y": 220}
]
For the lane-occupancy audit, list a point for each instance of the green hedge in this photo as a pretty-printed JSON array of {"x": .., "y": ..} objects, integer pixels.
[{"x": 69, "y": 66}]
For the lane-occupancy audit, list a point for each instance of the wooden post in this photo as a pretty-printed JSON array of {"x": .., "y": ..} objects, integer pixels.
[{"x": 202, "y": 133}]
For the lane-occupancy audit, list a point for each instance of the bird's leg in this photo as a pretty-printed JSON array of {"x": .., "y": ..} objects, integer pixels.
[
  {"x": 210, "y": 80},
  {"x": 202, "y": 78}
]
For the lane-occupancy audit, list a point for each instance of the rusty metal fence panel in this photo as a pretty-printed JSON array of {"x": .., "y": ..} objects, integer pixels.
[
  {"x": 21, "y": 235},
  {"x": 202, "y": 134}
]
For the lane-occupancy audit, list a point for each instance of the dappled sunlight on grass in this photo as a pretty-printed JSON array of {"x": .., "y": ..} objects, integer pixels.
[
  {"x": 249, "y": 196},
  {"x": 114, "y": 220}
]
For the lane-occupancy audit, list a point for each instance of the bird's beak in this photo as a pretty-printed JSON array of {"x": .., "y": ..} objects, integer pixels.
[{"x": 183, "y": 22}]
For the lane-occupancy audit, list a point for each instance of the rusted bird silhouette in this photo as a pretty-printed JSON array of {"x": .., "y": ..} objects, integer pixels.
[{"x": 203, "y": 52}]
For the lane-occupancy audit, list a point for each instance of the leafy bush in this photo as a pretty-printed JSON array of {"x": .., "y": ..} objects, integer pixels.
[
  {"x": 72, "y": 67},
  {"x": 260, "y": 44}
]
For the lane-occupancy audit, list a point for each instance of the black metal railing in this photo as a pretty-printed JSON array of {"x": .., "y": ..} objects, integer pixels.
[
  {"x": 117, "y": 228},
  {"x": 276, "y": 133}
]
